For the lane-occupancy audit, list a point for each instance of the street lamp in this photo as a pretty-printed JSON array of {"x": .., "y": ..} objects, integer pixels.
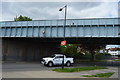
[
  {"x": 65, "y": 17},
  {"x": 64, "y": 30}
]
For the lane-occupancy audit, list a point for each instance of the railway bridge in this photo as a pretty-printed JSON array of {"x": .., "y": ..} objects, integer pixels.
[{"x": 31, "y": 40}]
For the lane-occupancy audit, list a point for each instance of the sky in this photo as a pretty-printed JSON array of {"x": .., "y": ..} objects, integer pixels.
[{"x": 50, "y": 10}]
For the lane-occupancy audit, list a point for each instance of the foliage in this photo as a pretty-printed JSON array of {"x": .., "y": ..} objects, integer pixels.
[
  {"x": 116, "y": 60},
  {"x": 100, "y": 75},
  {"x": 92, "y": 49},
  {"x": 84, "y": 61},
  {"x": 87, "y": 48},
  {"x": 103, "y": 54},
  {"x": 22, "y": 18},
  {"x": 70, "y": 49},
  {"x": 79, "y": 69},
  {"x": 83, "y": 50}
]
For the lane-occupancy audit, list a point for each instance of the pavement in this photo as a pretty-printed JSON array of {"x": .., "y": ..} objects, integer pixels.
[{"x": 37, "y": 70}]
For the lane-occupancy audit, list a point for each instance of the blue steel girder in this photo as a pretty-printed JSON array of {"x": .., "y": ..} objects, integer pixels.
[{"x": 75, "y": 28}]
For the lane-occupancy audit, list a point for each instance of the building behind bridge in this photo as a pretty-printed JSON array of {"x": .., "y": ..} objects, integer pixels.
[{"x": 114, "y": 51}]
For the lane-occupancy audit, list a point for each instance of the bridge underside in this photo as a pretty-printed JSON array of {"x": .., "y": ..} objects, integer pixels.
[
  {"x": 33, "y": 49},
  {"x": 82, "y": 40}
]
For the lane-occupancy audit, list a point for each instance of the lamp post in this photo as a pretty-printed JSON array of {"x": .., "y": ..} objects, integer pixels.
[{"x": 64, "y": 30}]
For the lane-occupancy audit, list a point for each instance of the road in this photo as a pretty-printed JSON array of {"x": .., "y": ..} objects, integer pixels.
[{"x": 37, "y": 70}]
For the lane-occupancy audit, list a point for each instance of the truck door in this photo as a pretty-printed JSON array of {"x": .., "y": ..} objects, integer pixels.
[
  {"x": 61, "y": 59},
  {"x": 58, "y": 60}
]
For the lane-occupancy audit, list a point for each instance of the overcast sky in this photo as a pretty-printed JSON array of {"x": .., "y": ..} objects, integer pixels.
[{"x": 50, "y": 10}]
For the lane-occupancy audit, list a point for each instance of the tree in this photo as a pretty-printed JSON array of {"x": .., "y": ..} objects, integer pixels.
[
  {"x": 22, "y": 18},
  {"x": 92, "y": 49},
  {"x": 76, "y": 49},
  {"x": 70, "y": 49}
]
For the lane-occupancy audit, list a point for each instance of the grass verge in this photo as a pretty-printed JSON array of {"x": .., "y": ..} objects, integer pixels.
[
  {"x": 117, "y": 60},
  {"x": 91, "y": 61},
  {"x": 104, "y": 75},
  {"x": 79, "y": 69}
]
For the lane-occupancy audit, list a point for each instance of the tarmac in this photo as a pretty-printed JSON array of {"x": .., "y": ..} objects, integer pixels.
[
  {"x": 53, "y": 74},
  {"x": 36, "y": 70}
]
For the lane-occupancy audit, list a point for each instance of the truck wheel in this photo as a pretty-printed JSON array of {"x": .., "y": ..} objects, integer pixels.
[
  {"x": 50, "y": 64},
  {"x": 68, "y": 64}
]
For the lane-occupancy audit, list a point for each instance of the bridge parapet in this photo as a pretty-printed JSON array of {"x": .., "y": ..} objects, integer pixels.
[{"x": 94, "y": 21}]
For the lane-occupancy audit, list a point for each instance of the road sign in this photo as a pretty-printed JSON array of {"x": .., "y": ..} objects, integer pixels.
[{"x": 63, "y": 43}]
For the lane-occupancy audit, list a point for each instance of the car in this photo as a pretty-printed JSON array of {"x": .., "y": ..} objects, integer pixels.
[{"x": 57, "y": 59}]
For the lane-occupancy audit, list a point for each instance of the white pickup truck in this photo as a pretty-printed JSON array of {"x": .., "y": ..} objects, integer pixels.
[{"x": 57, "y": 59}]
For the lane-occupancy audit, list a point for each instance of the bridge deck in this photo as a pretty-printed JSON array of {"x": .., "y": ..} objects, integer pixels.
[{"x": 99, "y": 27}]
